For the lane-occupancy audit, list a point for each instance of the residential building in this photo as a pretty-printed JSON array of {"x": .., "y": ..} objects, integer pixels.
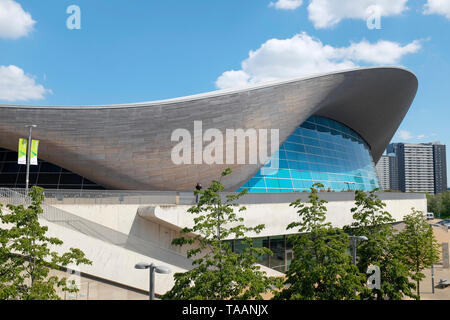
[{"x": 421, "y": 167}]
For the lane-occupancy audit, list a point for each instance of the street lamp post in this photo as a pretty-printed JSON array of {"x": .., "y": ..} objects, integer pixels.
[
  {"x": 30, "y": 127},
  {"x": 153, "y": 269},
  {"x": 432, "y": 278},
  {"x": 432, "y": 264},
  {"x": 354, "y": 240}
]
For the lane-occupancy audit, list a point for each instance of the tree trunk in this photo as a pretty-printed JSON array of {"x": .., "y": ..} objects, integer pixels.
[
  {"x": 418, "y": 288},
  {"x": 417, "y": 271}
]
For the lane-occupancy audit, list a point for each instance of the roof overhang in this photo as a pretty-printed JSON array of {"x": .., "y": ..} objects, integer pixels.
[{"x": 129, "y": 146}]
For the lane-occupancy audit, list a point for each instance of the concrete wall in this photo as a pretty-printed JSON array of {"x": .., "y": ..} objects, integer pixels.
[
  {"x": 277, "y": 216},
  {"x": 161, "y": 224},
  {"x": 94, "y": 289},
  {"x": 124, "y": 218}
]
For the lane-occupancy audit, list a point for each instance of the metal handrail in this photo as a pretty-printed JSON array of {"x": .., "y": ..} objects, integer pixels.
[
  {"x": 64, "y": 196},
  {"x": 97, "y": 231}
]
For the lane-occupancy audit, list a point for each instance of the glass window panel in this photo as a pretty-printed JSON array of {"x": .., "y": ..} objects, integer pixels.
[
  {"x": 10, "y": 156},
  {"x": 8, "y": 178},
  {"x": 302, "y": 157},
  {"x": 303, "y": 166},
  {"x": 291, "y": 155},
  {"x": 255, "y": 190},
  {"x": 256, "y": 183},
  {"x": 293, "y": 165},
  {"x": 283, "y": 164},
  {"x": 329, "y": 152},
  {"x": 315, "y": 176},
  {"x": 239, "y": 246},
  {"x": 306, "y": 175},
  {"x": 308, "y": 125},
  {"x": 48, "y": 167},
  {"x": 310, "y": 142},
  {"x": 307, "y": 184},
  {"x": 323, "y": 176},
  {"x": 45, "y": 186},
  {"x": 285, "y": 183},
  {"x": 93, "y": 187},
  {"x": 295, "y": 174},
  {"x": 33, "y": 178},
  {"x": 262, "y": 243},
  {"x": 9, "y": 168},
  {"x": 298, "y": 184},
  {"x": 272, "y": 183},
  {"x": 70, "y": 179},
  {"x": 48, "y": 178},
  {"x": 277, "y": 246},
  {"x": 33, "y": 169},
  {"x": 336, "y": 186},
  {"x": 284, "y": 174}
]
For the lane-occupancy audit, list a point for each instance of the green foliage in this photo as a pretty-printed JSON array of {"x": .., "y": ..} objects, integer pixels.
[
  {"x": 439, "y": 204},
  {"x": 381, "y": 249},
  {"x": 321, "y": 268},
  {"x": 445, "y": 204},
  {"x": 26, "y": 257},
  {"x": 219, "y": 273},
  {"x": 434, "y": 205},
  {"x": 418, "y": 246}
]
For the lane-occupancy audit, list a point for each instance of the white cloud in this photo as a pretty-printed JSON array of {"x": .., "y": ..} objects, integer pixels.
[
  {"x": 14, "y": 21},
  {"x": 15, "y": 85},
  {"x": 327, "y": 13},
  {"x": 286, "y": 4},
  {"x": 441, "y": 7},
  {"x": 405, "y": 135},
  {"x": 232, "y": 79},
  {"x": 382, "y": 52},
  {"x": 304, "y": 55}
]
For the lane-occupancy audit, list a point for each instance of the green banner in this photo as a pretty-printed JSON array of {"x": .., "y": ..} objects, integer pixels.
[
  {"x": 22, "y": 151},
  {"x": 23, "y": 146},
  {"x": 34, "y": 152}
]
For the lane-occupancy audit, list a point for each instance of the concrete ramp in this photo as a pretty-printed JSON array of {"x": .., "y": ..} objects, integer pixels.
[{"x": 105, "y": 242}]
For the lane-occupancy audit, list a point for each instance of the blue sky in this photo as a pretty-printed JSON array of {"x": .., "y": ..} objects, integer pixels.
[{"x": 134, "y": 51}]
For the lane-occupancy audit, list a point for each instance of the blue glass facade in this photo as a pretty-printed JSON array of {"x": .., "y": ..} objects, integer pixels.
[{"x": 320, "y": 150}]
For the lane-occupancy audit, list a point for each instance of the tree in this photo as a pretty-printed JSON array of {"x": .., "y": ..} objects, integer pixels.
[
  {"x": 419, "y": 247},
  {"x": 219, "y": 273},
  {"x": 381, "y": 248},
  {"x": 434, "y": 204},
  {"x": 445, "y": 204},
  {"x": 26, "y": 257},
  {"x": 439, "y": 204},
  {"x": 321, "y": 268}
]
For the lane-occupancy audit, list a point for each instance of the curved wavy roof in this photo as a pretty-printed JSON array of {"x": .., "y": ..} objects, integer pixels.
[{"x": 129, "y": 146}]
